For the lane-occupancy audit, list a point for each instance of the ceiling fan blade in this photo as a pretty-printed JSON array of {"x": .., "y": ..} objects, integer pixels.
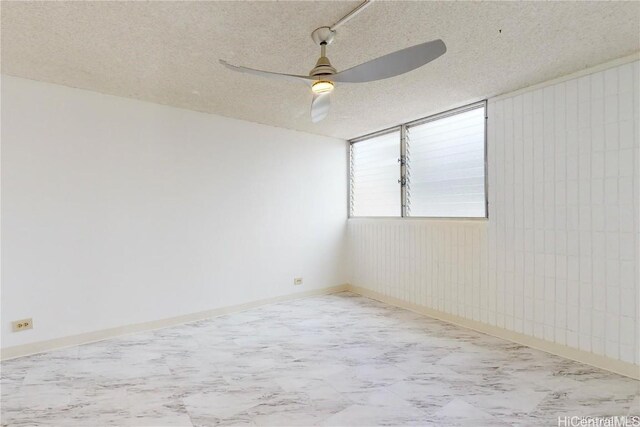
[
  {"x": 393, "y": 64},
  {"x": 291, "y": 77},
  {"x": 320, "y": 106}
]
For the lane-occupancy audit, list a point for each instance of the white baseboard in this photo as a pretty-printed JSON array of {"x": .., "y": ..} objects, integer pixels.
[
  {"x": 89, "y": 337},
  {"x": 617, "y": 366}
]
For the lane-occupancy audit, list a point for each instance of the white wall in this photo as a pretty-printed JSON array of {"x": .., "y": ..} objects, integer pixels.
[
  {"x": 116, "y": 211},
  {"x": 558, "y": 257}
]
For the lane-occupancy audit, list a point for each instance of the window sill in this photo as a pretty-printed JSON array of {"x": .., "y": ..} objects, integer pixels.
[{"x": 421, "y": 218}]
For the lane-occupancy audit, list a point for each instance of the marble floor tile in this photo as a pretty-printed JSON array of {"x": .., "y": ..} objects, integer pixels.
[{"x": 334, "y": 360}]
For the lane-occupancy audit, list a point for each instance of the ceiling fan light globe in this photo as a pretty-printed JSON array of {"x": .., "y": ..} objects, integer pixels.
[{"x": 322, "y": 86}]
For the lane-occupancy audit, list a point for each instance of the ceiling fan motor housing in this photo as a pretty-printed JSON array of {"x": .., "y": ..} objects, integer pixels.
[
  {"x": 323, "y": 36},
  {"x": 323, "y": 68}
]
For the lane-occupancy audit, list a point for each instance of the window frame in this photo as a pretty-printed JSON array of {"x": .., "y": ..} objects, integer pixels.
[
  {"x": 364, "y": 138},
  {"x": 402, "y": 164}
]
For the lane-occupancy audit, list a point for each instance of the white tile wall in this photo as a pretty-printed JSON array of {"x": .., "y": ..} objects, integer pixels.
[{"x": 558, "y": 257}]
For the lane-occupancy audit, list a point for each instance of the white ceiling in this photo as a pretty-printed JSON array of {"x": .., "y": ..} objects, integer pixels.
[{"x": 167, "y": 52}]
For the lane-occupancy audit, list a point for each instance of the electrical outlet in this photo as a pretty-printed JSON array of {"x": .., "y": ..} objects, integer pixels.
[
  {"x": 22, "y": 325},
  {"x": 297, "y": 280}
]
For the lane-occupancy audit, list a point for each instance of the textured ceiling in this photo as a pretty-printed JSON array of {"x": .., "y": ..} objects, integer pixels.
[{"x": 167, "y": 52}]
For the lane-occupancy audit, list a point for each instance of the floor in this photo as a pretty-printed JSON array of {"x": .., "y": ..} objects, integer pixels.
[{"x": 335, "y": 360}]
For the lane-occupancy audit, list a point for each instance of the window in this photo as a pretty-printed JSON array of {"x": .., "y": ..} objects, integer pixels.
[
  {"x": 375, "y": 175},
  {"x": 433, "y": 167},
  {"x": 445, "y": 172}
]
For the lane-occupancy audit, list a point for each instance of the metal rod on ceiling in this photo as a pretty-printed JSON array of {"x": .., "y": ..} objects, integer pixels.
[{"x": 351, "y": 14}]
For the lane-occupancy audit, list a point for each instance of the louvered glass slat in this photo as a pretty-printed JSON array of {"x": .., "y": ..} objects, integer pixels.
[
  {"x": 445, "y": 166},
  {"x": 375, "y": 172}
]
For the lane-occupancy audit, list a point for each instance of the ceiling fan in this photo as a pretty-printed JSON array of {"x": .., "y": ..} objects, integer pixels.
[{"x": 324, "y": 76}]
